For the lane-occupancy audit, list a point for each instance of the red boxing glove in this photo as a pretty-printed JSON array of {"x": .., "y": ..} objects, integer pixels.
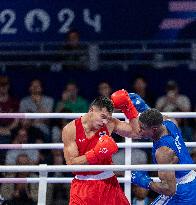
[
  {"x": 104, "y": 149},
  {"x": 122, "y": 101}
]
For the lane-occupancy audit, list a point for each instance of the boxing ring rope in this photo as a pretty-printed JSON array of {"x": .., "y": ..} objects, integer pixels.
[
  {"x": 43, "y": 169},
  {"x": 53, "y": 180},
  {"x": 60, "y": 145},
  {"x": 84, "y": 168},
  {"x": 75, "y": 115}
]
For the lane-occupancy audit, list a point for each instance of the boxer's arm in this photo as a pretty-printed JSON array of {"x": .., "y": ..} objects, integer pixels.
[
  {"x": 167, "y": 186},
  {"x": 126, "y": 129},
  {"x": 71, "y": 153},
  {"x": 121, "y": 100}
]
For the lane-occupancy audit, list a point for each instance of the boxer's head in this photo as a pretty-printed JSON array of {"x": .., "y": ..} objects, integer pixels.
[
  {"x": 150, "y": 123},
  {"x": 100, "y": 111}
]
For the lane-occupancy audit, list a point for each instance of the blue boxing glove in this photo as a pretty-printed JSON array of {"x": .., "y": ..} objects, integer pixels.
[
  {"x": 141, "y": 179},
  {"x": 138, "y": 102}
]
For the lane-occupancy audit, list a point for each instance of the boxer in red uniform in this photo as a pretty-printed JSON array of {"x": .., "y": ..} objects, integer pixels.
[{"x": 88, "y": 140}]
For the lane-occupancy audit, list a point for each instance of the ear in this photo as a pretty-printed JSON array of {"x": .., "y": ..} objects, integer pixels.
[
  {"x": 154, "y": 129},
  {"x": 91, "y": 109}
]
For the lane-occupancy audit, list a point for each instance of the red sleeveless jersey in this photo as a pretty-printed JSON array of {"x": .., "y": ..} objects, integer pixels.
[{"x": 85, "y": 144}]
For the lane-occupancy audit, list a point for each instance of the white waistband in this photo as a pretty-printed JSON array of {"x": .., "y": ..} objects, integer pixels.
[
  {"x": 187, "y": 178},
  {"x": 103, "y": 175}
]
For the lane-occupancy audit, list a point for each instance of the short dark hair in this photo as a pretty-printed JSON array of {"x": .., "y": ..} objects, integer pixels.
[
  {"x": 151, "y": 117},
  {"x": 103, "y": 102},
  {"x": 171, "y": 85},
  {"x": 73, "y": 30}
]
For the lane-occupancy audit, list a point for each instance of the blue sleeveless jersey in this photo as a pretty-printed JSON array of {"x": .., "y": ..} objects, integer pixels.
[{"x": 175, "y": 142}]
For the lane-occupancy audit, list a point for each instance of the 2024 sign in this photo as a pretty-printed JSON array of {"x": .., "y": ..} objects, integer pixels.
[{"x": 39, "y": 21}]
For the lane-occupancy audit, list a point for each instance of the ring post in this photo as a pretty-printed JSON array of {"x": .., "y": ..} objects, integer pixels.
[
  {"x": 42, "y": 185},
  {"x": 127, "y": 188}
]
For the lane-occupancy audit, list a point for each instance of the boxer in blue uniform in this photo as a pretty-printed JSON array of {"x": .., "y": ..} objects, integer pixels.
[{"x": 175, "y": 187}]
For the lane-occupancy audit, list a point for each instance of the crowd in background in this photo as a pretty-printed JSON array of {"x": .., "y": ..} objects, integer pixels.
[{"x": 21, "y": 131}]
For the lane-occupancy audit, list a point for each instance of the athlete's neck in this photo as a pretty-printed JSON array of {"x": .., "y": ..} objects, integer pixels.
[
  {"x": 160, "y": 133},
  {"x": 86, "y": 122}
]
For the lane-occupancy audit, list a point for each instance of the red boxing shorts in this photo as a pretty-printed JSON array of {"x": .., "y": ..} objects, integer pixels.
[{"x": 95, "y": 191}]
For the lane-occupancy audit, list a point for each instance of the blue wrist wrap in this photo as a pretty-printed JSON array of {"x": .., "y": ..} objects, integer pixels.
[{"x": 138, "y": 102}]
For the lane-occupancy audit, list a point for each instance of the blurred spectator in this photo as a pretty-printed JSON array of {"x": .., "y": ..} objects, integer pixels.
[
  {"x": 37, "y": 102},
  {"x": 60, "y": 192},
  {"x": 34, "y": 133},
  {"x": 58, "y": 159},
  {"x": 140, "y": 196},
  {"x": 173, "y": 101},
  {"x": 8, "y": 104},
  {"x": 21, "y": 137},
  {"x": 138, "y": 156},
  {"x": 75, "y": 53},
  {"x": 140, "y": 86},
  {"x": 56, "y": 130},
  {"x": 3, "y": 201},
  {"x": 73, "y": 40},
  {"x": 71, "y": 100},
  {"x": 193, "y": 155},
  {"x": 187, "y": 129},
  {"x": 104, "y": 89},
  {"x": 194, "y": 126},
  {"x": 44, "y": 154},
  {"x": 73, "y": 44},
  {"x": 20, "y": 194},
  {"x": 78, "y": 51}
]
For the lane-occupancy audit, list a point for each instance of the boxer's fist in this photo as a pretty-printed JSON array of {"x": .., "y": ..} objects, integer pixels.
[
  {"x": 104, "y": 149},
  {"x": 122, "y": 101},
  {"x": 106, "y": 146},
  {"x": 138, "y": 102},
  {"x": 141, "y": 179}
]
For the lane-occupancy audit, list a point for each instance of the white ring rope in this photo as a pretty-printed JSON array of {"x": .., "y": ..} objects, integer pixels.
[
  {"x": 55, "y": 180},
  {"x": 76, "y": 115},
  {"x": 84, "y": 168},
  {"x": 61, "y": 146}
]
